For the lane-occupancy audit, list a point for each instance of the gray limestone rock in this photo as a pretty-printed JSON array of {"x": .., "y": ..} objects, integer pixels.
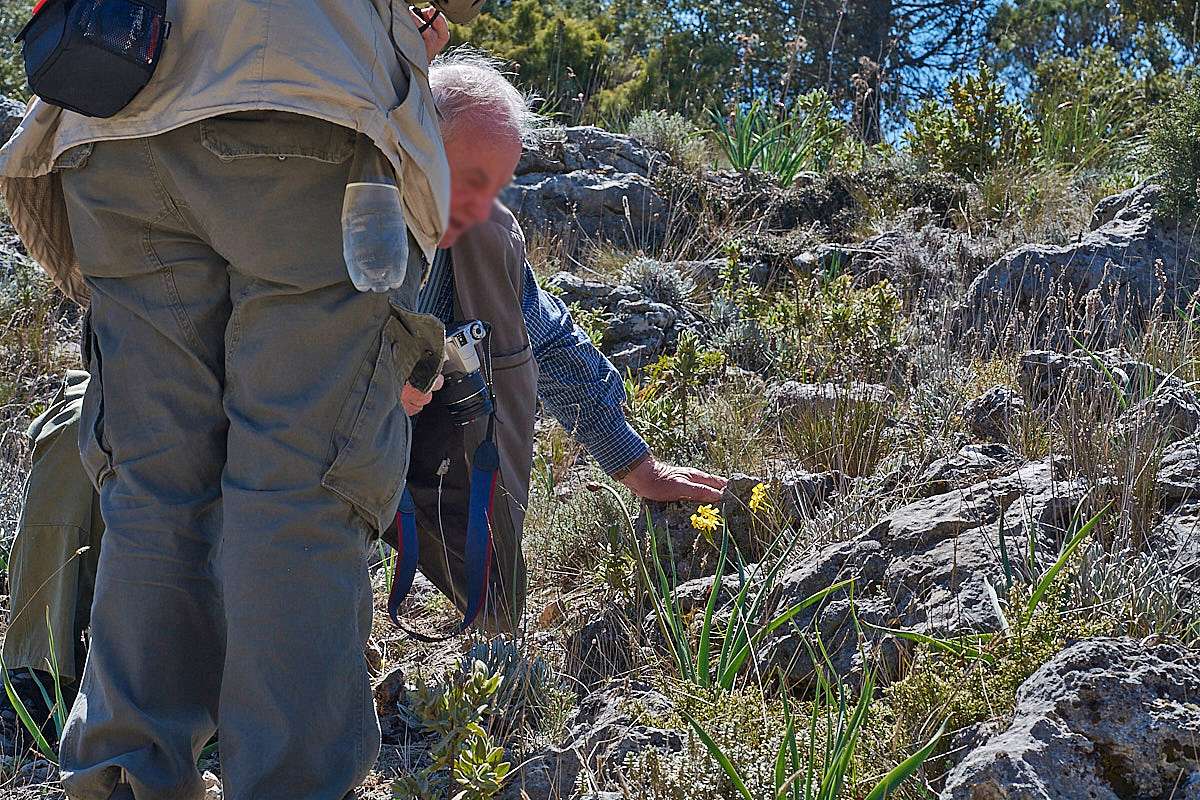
[
  {"x": 637, "y": 330},
  {"x": 1134, "y": 265},
  {"x": 990, "y": 416},
  {"x": 971, "y": 464},
  {"x": 605, "y": 731},
  {"x": 1105, "y": 719},
  {"x": 936, "y": 566},
  {"x": 1178, "y": 476},
  {"x": 11, "y": 113},
  {"x": 791, "y": 399},
  {"x": 791, "y": 496},
  {"x": 590, "y": 185}
]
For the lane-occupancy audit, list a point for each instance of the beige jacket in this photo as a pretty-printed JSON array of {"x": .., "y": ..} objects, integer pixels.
[{"x": 345, "y": 61}]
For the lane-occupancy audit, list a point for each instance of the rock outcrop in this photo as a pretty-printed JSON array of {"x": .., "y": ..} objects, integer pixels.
[
  {"x": 1105, "y": 719},
  {"x": 1134, "y": 264},
  {"x": 793, "y": 400},
  {"x": 590, "y": 185},
  {"x": 973, "y": 463},
  {"x": 937, "y": 566},
  {"x": 1178, "y": 477},
  {"x": 636, "y": 330},
  {"x": 991, "y": 415},
  {"x": 603, "y": 733},
  {"x": 788, "y": 498}
]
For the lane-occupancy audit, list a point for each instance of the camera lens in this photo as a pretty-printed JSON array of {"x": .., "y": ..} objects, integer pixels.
[{"x": 466, "y": 397}]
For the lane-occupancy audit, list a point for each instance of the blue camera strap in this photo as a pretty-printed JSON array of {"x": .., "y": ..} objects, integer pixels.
[{"x": 485, "y": 473}]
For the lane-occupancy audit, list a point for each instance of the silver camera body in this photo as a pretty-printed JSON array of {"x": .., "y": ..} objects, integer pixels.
[{"x": 465, "y": 392}]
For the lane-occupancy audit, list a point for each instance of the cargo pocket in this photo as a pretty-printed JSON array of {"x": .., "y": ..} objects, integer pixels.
[
  {"x": 93, "y": 448},
  {"x": 278, "y": 134},
  {"x": 73, "y": 157},
  {"x": 371, "y": 439}
]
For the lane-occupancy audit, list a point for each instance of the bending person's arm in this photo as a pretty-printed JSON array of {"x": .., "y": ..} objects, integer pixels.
[
  {"x": 584, "y": 392},
  {"x": 576, "y": 383}
]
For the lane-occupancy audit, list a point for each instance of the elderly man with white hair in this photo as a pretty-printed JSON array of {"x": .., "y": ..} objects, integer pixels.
[
  {"x": 481, "y": 272},
  {"x": 534, "y": 350}
]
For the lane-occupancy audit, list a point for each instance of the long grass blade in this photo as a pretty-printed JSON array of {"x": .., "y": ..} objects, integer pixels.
[
  {"x": 25, "y": 717},
  {"x": 743, "y": 652},
  {"x": 905, "y": 768},
  {"x": 962, "y": 648},
  {"x": 703, "y": 671},
  {"x": 715, "y": 751},
  {"x": 1044, "y": 584}
]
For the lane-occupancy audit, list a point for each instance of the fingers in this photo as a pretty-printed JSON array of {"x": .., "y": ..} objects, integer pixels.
[
  {"x": 703, "y": 478},
  {"x": 699, "y": 492},
  {"x": 413, "y": 400}
]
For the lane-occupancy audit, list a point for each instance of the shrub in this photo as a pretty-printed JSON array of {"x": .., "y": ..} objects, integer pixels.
[
  {"x": 807, "y": 136},
  {"x": 682, "y": 141},
  {"x": 978, "y": 131},
  {"x": 527, "y": 686},
  {"x": 1092, "y": 110},
  {"x": 1175, "y": 151},
  {"x": 658, "y": 280},
  {"x": 463, "y": 755},
  {"x": 13, "y": 17}
]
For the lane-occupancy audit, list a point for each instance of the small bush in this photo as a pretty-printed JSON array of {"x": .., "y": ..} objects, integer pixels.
[
  {"x": 1175, "y": 151},
  {"x": 1092, "y": 111},
  {"x": 660, "y": 281},
  {"x": 978, "y": 131},
  {"x": 682, "y": 141},
  {"x": 826, "y": 328},
  {"x": 806, "y": 136}
]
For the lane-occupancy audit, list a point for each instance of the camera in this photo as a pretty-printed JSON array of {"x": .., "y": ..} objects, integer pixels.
[{"x": 465, "y": 393}]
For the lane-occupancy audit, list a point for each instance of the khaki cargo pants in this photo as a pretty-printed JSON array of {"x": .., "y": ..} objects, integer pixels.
[{"x": 243, "y": 427}]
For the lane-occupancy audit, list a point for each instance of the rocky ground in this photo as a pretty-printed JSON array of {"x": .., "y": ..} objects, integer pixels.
[{"x": 967, "y": 485}]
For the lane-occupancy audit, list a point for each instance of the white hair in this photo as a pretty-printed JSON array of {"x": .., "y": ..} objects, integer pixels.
[{"x": 469, "y": 86}]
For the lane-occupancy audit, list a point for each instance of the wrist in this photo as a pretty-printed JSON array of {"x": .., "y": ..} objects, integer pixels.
[{"x": 625, "y": 471}]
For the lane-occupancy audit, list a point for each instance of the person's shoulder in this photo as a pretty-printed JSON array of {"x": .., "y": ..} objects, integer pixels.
[
  {"x": 501, "y": 231},
  {"x": 504, "y": 220}
]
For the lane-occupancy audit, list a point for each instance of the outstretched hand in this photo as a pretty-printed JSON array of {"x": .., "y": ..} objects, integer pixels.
[
  {"x": 433, "y": 27},
  {"x": 655, "y": 480}
]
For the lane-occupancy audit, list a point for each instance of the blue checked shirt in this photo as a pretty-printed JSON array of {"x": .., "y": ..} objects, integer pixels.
[{"x": 576, "y": 383}]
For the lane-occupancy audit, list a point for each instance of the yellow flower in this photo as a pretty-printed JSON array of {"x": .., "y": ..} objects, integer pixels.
[
  {"x": 707, "y": 518},
  {"x": 758, "y": 497}
]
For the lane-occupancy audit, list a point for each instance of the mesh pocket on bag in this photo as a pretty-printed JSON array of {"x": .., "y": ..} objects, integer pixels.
[{"x": 125, "y": 28}]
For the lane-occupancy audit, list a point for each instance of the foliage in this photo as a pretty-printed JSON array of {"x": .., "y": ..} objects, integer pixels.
[
  {"x": 13, "y": 16},
  {"x": 1175, "y": 151},
  {"x": 659, "y": 408},
  {"x": 813, "y": 330},
  {"x": 53, "y": 700},
  {"x": 976, "y": 131},
  {"x": 592, "y": 321},
  {"x": 824, "y": 770},
  {"x": 1148, "y": 35},
  {"x": 561, "y": 56},
  {"x": 670, "y": 133},
  {"x": 527, "y": 684},
  {"x": 805, "y": 137},
  {"x": 1092, "y": 111},
  {"x": 742, "y": 634},
  {"x": 462, "y": 755},
  {"x": 660, "y": 281}
]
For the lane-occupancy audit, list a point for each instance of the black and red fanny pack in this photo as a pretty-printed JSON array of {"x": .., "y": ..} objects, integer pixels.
[{"x": 93, "y": 56}]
